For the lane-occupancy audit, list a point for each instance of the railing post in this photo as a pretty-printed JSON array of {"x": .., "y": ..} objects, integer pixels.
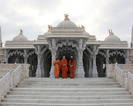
[
  {"x": 11, "y": 79},
  {"x": 0, "y": 92}
]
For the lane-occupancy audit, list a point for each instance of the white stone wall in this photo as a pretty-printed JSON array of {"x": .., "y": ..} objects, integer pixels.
[
  {"x": 123, "y": 76},
  {"x": 11, "y": 77}
]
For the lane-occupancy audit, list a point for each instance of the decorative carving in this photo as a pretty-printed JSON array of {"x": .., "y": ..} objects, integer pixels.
[
  {"x": 64, "y": 43},
  {"x": 110, "y": 31},
  {"x": 102, "y": 53},
  {"x": 66, "y": 15},
  {"x": 30, "y": 53},
  {"x": 21, "y": 31},
  {"x": 117, "y": 52},
  {"x": 16, "y": 52},
  {"x": 53, "y": 43},
  {"x": 83, "y": 27},
  {"x": 80, "y": 44},
  {"x": 50, "y": 27}
]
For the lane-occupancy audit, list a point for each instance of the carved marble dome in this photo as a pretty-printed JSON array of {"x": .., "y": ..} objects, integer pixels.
[
  {"x": 67, "y": 23},
  {"x": 47, "y": 33},
  {"x": 86, "y": 33},
  {"x": 112, "y": 38},
  {"x": 20, "y": 37}
]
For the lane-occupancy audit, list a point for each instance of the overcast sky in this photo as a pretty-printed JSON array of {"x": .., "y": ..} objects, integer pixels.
[{"x": 33, "y": 16}]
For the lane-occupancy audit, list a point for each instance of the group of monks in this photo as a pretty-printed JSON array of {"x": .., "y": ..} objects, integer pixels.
[{"x": 64, "y": 66}]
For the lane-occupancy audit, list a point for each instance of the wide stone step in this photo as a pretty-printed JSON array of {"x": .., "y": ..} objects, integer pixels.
[
  {"x": 70, "y": 97},
  {"x": 68, "y": 79},
  {"x": 66, "y": 83},
  {"x": 70, "y": 86},
  {"x": 70, "y": 89},
  {"x": 69, "y": 101},
  {"x": 69, "y": 93},
  {"x": 42, "y": 104}
]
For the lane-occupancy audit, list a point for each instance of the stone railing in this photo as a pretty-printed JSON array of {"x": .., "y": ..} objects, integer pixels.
[
  {"x": 12, "y": 77},
  {"x": 122, "y": 76},
  {"x": 5, "y": 68}
]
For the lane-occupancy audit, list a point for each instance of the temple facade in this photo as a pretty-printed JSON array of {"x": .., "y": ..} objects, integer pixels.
[{"x": 67, "y": 39}]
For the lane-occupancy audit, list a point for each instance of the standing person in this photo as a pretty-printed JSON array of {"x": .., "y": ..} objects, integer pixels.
[
  {"x": 72, "y": 67},
  {"x": 56, "y": 64},
  {"x": 64, "y": 67}
]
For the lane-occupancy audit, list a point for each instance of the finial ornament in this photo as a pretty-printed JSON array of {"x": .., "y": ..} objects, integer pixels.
[
  {"x": 50, "y": 27},
  {"x": 110, "y": 31},
  {"x": 83, "y": 27},
  {"x": 21, "y": 31},
  {"x": 66, "y": 15}
]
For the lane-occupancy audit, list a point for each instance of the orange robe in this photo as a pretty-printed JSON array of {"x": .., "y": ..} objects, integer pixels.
[
  {"x": 64, "y": 68},
  {"x": 72, "y": 68},
  {"x": 56, "y": 64}
]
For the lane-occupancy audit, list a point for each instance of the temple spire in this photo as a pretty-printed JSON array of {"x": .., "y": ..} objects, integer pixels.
[{"x": 132, "y": 37}]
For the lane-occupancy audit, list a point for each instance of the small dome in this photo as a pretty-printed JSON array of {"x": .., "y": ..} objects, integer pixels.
[
  {"x": 112, "y": 38},
  {"x": 66, "y": 23},
  {"x": 20, "y": 37},
  {"x": 86, "y": 33},
  {"x": 47, "y": 33}
]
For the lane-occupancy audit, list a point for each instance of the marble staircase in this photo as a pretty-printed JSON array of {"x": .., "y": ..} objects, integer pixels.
[{"x": 68, "y": 92}]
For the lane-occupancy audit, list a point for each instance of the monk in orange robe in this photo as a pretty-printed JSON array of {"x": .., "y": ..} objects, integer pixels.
[
  {"x": 56, "y": 64},
  {"x": 72, "y": 67},
  {"x": 64, "y": 67}
]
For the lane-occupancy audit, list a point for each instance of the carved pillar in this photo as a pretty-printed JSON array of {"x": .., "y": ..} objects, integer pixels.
[
  {"x": 42, "y": 68},
  {"x": 107, "y": 59},
  {"x": 53, "y": 52},
  {"x": 39, "y": 58},
  {"x": 80, "y": 69},
  {"x": 25, "y": 56},
  {"x": 107, "y": 56},
  {"x": 126, "y": 56},
  {"x": 90, "y": 67},
  {"x": 94, "y": 73},
  {"x": 6, "y": 55}
]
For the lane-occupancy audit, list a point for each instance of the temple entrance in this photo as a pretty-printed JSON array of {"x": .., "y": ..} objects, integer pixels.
[
  {"x": 101, "y": 65},
  {"x": 46, "y": 63},
  {"x": 67, "y": 51},
  {"x": 86, "y": 62},
  {"x": 32, "y": 60}
]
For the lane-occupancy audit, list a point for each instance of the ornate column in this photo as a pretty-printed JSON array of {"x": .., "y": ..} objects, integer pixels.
[
  {"x": 107, "y": 59},
  {"x": 90, "y": 67},
  {"x": 94, "y": 73},
  {"x": 80, "y": 69},
  {"x": 25, "y": 56},
  {"x": 53, "y": 52},
  {"x": 42, "y": 68},
  {"x": 6, "y": 55},
  {"x": 126, "y": 56},
  {"x": 39, "y": 58},
  {"x": 107, "y": 56}
]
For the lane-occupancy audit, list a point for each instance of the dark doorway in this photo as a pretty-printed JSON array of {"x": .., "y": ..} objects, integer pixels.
[
  {"x": 16, "y": 56},
  {"x": 47, "y": 62},
  {"x": 32, "y": 60},
  {"x": 66, "y": 51}
]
